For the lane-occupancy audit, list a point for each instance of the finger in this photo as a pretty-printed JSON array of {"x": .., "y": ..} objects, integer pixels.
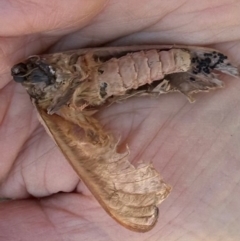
[
  {"x": 189, "y": 22},
  {"x": 119, "y": 19},
  {"x": 32, "y": 16}
]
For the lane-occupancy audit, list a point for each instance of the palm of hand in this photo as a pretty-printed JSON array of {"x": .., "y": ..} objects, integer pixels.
[{"x": 195, "y": 147}]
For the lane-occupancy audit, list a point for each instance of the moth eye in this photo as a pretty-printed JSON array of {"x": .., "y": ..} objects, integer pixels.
[
  {"x": 42, "y": 72},
  {"x": 19, "y": 72},
  {"x": 38, "y": 75}
]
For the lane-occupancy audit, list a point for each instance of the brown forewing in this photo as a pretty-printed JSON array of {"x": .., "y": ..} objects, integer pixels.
[{"x": 129, "y": 194}]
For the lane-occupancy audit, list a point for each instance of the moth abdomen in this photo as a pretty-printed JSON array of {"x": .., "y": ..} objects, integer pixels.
[{"x": 139, "y": 68}]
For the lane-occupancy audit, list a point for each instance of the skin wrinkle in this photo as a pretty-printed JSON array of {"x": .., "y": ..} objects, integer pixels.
[
  {"x": 161, "y": 18},
  {"x": 7, "y": 238},
  {"x": 44, "y": 211},
  {"x": 200, "y": 13},
  {"x": 2, "y": 123},
  {"x": 206, "y": 6},
  {"x": 27, "y": 194},
  {"x": 3, "y": 54},
  {"x": 182, "y": 208},
  {"x": 177, "y": 28},
  {"x": 223, "y": 6},
  {"x": 237, "y": 182},
  {"x": 46, "y": 152},
  {"x": 211, "y": 39},
  {"x": 168, "y": 234},
  {"x": 176, "y": 9},
  {"x": 5, "y": 121},
  {"x": 44, "y": 172},
  {"x": 160, "y": 147},
  {"x": 153, "y": 139},
  {"x": 39, "y": 26},
  {"x": 154, "y": 234},
  {"x": 215, "y": 34},
  {"x": 21, "y": 167},
  {"x": 228, "y": 200},
  {"x": 136, "y": 158},
  {"x": 232, "y": 224},
  {"x": 25, "y": 149},
  {"x": 191, "y": 235},
  {"x": 135, "y": 30},
  {"x": 25, "y": 167},
  {"x": 43, "y": 201},
  {"x": 229, "y": 224},
  {"x": 232, "y": 46},
  {"x": 21, "y": 5},
  {"x": 45, "y": 179},
  {"x": 181, "y": 236},
  {"x": 113, "y": 117},
  {"x": 160, "y": 232},
  {"x": 85, "y": 17},
  {"x": 187, "y": 232},
  {"x": 153, "y": 27},
  {"x": 137, "y": 128},
  {"x": 184, "y": 190},
  {"x": 162, "y": 143},
  {"x": 167, "y": 14},
  {"x": 176, "y": 170},
  {"x": 8, "y": 104},
  {"x": 188, "y": 202},
  {"x": 125, "y": 19},
  {"x": 198, "y": 160},
  {"x": 132, "y": 128},
  {"x": 44, "y": 205},
  {"x": 219, "y": 34},
  {"x": 38, "y": 131}
]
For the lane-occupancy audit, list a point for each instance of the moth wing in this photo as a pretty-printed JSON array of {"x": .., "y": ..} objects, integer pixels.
[{"x": 130, "y": 195}]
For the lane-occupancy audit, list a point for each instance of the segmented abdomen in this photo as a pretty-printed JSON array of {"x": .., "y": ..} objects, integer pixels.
[{"x": 135, "y": 69}]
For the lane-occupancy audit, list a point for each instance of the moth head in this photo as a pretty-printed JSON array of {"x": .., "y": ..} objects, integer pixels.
[
  {"x": 45, "y": 82},
  {"x": 33, "y": 72}
]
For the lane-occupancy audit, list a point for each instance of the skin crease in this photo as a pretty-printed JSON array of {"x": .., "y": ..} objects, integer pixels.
[{"x": 195, "y": 147}]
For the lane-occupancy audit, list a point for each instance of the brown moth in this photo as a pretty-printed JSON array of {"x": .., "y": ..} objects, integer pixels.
[{"x": 68, "y": 88}]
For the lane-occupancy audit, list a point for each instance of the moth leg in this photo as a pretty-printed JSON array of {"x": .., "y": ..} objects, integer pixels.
[
  {"x": 94, "y": 131},
  {"x": 163, "y": 87}
]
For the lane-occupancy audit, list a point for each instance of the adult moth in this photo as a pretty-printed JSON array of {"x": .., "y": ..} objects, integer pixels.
[{"x": 68, "y": 88}]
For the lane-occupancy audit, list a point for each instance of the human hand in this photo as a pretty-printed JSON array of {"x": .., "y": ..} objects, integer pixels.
[{"x": 194, "y": 146}]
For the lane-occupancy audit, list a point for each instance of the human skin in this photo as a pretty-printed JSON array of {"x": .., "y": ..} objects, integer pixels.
[{"x": 195, "y": 147}]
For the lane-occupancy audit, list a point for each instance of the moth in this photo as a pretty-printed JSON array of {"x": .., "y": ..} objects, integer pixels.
[{"x": 68, "y": 88}]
